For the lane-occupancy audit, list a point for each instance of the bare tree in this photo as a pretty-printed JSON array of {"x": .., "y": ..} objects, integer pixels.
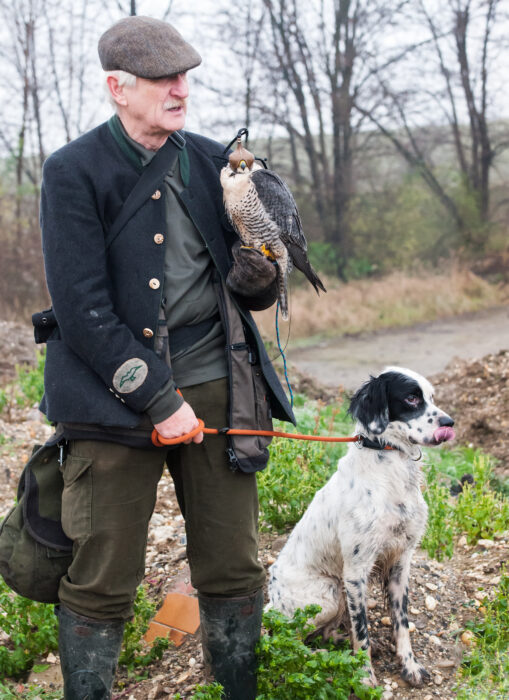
[
  {"x": 304, "y": 66},
  {"x": 460, "y": 40}
]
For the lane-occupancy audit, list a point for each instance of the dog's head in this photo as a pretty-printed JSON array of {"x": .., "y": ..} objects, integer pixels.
[{"x": 397, "y": 407}]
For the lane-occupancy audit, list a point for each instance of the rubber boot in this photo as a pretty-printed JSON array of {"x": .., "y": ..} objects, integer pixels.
[
  {"x": 230, "y": 629},
  {"x": 89, "y": 651}
]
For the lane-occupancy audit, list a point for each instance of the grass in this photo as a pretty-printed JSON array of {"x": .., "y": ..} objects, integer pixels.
[
  {"x": 397, "y": 300},
  {"x": 485, "y": 670}
]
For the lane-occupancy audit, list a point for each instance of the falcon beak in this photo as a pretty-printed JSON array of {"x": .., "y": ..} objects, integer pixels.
[{"x": 243, "y": 165}]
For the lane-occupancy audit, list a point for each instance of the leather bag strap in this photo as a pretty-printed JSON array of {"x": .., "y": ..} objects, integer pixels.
[{"x": 151, "y": 177}]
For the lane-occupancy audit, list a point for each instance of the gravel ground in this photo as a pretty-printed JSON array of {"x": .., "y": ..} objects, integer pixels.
[{"x": 443, "y": 596}]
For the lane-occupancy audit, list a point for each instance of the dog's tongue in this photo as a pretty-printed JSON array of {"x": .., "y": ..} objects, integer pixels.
[{"x": 444, "y": 434}]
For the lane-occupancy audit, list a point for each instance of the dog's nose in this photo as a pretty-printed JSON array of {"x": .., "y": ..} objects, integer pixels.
[{"x": 445, "y": 421}]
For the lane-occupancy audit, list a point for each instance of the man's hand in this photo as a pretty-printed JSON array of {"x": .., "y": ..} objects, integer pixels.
[{"x": 180, "y": 423}]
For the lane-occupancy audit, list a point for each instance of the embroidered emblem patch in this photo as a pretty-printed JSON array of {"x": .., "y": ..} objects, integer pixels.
[{"x": 130, "y": 375}]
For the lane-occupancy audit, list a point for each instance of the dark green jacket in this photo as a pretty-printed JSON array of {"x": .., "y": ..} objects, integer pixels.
[{"x": 105, "y": 308}]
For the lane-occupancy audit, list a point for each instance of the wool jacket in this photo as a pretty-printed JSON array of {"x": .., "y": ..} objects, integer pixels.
[{"x": 101, "y": 365}]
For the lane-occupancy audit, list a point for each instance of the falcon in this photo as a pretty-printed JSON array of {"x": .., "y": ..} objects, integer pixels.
[{"x": 264, "y": 214}]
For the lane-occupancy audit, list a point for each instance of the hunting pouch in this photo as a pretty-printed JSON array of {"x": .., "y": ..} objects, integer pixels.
[
  {"x": 249, "y": 405},
  {"x": 34, "y": 551}
]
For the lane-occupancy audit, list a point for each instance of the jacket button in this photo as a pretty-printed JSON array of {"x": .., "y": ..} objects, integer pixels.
[
  {"x": 154, "y": 283},
  {"x": 156, "y": 195},
  {"x": 148, "y": 332},
  {"x": 158, "y": 238}
]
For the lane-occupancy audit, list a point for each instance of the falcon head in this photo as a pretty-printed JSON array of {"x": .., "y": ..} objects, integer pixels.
[
  {"x": 241, "y": 159},
  {"x": 236, "y": 176}
]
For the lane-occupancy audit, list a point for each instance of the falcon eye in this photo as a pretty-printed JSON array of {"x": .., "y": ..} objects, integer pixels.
[
  {"x": 412, "y": 400},
  {"x": 232, "y": 174}
]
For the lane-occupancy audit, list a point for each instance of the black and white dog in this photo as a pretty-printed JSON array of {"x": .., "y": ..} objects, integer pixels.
[{"x": 368, "y": 518}]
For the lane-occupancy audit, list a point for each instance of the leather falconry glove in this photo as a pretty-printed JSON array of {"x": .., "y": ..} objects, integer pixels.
[{"x": 252, "y": 275}]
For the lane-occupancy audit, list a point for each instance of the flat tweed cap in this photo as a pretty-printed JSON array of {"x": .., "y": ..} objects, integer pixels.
[{"x": 146, "y": 47}]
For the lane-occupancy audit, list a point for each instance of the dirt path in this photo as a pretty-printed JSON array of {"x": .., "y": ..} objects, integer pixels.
[{"x": 427, "y": 348}]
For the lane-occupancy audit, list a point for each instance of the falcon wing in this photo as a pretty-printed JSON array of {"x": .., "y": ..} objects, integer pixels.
[{"x": 280, "y": 206}]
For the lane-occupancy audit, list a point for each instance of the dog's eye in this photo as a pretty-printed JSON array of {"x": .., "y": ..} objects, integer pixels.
[{"x": 413, "y": 400}]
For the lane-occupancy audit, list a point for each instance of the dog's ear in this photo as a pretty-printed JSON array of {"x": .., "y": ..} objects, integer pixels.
[{"x": 369, "y": 405}]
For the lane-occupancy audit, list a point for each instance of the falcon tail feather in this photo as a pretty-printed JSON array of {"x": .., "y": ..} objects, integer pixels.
[{"x": 301, "y": 262}]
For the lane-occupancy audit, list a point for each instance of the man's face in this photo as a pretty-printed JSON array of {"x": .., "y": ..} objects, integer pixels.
[{"x": 158, "y": 106}]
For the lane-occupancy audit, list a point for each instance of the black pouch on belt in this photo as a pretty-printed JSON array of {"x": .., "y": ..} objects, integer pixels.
[
  {"x": 44, "y": 323},
  {"x": 34, "y": 551}
]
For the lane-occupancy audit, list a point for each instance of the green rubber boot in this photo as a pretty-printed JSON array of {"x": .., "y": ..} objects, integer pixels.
[
  {"x": 89, "y": 651},
  {"x": 230, "y": 629}
]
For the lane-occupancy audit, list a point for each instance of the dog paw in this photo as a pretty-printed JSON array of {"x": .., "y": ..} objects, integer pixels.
[
  {"x": 415, "y": 674},
  {"x": 370, "y": 680}
]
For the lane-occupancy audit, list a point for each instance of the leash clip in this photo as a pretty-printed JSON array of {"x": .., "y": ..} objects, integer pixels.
[
  {"x": 359, "y": 443},
  {"x": 61, "y": 452}
]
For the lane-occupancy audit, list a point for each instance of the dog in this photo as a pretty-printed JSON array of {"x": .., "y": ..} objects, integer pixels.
[{"x": 368, "y": 518}]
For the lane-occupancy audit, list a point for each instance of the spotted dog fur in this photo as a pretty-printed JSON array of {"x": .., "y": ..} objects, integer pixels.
[{"x": 368, "y": 518}]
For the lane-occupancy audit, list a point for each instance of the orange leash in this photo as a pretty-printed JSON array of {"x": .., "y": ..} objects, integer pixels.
[{"x": 160, "y": 441}]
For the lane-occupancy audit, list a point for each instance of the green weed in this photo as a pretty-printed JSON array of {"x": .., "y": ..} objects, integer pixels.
[
  {"x": 486, "y": 669},
  {"x": 213, "y": 691},
  {"x": 478, "y": 511},
  {"x": 20, "y": 691},
  {"x": 438, "y": 539},
  {"x": 297, "y": 468},
  {"x": 32, "y": 631},
  {"x": 31, "y": 381},
  {"x": 134, "y": 655},
  {"x": 290, "y": 670},
  {"x": 4, "y": 400}
]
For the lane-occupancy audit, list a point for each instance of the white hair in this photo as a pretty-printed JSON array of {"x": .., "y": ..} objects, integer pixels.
[{"x": 123, "y": 77}]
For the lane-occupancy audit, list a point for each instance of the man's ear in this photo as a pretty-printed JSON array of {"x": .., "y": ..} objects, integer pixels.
[
  {"x": 369, "y": 405},
  {"x": 116, "y": 90}
]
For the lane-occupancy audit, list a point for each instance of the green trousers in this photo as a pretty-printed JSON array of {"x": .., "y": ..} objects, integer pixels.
[{"x": 109, "y": 496}]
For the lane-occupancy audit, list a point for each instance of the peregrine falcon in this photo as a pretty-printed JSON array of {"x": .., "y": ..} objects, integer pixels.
[{"x": 264, "y": 214}]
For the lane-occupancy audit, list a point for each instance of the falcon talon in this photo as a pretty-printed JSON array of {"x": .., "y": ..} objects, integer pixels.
[
  {"x": 264, "y": 214},
  {"x": 268, "y": 253}
]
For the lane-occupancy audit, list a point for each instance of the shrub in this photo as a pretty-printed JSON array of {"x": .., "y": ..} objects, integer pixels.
[
  {"x": 32, "y": 630},
  {"x": 290, "y": 670}
]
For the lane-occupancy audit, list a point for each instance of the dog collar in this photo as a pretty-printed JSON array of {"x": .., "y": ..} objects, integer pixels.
[{"x": 363, "y": 441}]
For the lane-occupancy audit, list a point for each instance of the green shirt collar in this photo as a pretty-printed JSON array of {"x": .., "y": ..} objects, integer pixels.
[{"x": 140, "y": 156}]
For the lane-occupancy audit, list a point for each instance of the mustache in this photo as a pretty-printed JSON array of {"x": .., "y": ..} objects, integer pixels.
[{"x": 172, "y": 104}]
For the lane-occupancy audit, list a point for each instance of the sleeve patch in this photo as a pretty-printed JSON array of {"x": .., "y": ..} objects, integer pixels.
[{"x": 130, "y": 375}]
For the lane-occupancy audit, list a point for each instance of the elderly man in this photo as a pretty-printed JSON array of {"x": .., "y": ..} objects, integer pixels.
[{"x": 152, "y": 328}]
